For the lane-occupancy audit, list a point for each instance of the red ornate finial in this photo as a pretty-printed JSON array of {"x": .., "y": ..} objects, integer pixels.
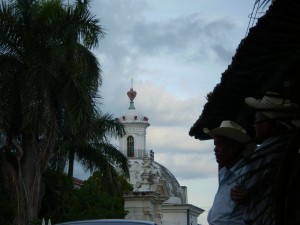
[{"x": 131, "y": 94}]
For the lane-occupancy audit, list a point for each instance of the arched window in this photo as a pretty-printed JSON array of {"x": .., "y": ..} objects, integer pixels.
[{"x": 130, "y": 146}]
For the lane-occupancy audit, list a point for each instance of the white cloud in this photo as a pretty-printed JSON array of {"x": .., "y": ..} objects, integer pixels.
[
  {"x": 188, "y": 166},
  {"x": 184, "y": 156}
]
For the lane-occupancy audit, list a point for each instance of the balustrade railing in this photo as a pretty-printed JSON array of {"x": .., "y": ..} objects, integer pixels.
[{"x": 140, "y": 154}]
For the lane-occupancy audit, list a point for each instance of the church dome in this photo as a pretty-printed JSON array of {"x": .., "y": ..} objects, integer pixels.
[{"x": 146, "y": 175}]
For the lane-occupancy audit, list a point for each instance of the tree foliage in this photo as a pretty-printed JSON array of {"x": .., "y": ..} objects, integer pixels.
[
  {"x": 94, "y": 151},
  {"x": 48, "y": 77},
  {"x": 94, "y": 199}
]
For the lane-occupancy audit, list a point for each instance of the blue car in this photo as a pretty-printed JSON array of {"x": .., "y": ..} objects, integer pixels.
[{"x": 108, "y": 222}]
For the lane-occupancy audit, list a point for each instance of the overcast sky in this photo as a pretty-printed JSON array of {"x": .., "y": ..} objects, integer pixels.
[{"x": 175, "y": 51}]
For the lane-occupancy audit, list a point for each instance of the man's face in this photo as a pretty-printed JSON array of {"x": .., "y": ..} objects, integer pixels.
[
  {"x": 261, "y": 125},
  {"x": 225, "y": 154}
]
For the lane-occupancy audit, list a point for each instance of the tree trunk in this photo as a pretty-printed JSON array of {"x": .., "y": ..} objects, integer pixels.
[
  {"x": 24, "y": 177},
  {"x": 71, "y": 162}
]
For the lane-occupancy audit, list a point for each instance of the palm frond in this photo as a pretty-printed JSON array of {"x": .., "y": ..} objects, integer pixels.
[{"x": 98, "y": 156}]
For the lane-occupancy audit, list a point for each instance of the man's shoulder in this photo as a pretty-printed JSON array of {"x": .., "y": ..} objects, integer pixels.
[{"x": 274, "y": 141}]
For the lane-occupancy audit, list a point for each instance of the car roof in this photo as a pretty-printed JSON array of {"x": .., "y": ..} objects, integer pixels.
[{"x": 108, "y": 221}]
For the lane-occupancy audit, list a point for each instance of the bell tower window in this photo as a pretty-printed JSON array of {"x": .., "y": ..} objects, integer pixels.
[{"x": 130, "y": 146}]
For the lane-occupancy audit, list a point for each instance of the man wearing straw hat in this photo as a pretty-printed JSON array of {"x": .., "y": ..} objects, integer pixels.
[
  {"x": 231, "y": 143},
  {"x": 276, "y": 120}
]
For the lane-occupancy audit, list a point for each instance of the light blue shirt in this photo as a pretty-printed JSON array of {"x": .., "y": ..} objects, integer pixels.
[{"x": 224, "y": 210}]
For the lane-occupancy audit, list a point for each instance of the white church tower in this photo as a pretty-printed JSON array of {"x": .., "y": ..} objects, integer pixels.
[
  {"x": 157, "y": 196},
  {"x": 133, "y": 144}
]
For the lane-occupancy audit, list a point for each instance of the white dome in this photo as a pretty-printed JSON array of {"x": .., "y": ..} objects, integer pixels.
[
  {"x": 173, "y": 200},
  {"x": 147, "y": 175}
]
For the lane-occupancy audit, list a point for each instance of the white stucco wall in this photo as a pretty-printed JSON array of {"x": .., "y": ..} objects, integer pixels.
[{"x": 180, "y": 214}]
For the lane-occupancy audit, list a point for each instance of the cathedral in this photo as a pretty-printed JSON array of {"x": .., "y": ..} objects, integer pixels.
[{"x": 157, "y": 195}]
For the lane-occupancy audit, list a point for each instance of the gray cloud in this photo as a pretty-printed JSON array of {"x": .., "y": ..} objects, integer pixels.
[
  {"x": 131, "y": 41},
  {"x": 174, "y": 62},
  {"x": 188, "y": 166},
  {"x": 129, "y": 34}
]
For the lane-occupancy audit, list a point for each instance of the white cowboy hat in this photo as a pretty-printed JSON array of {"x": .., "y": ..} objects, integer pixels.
[
  {"x": 274, "y": 106},
  {"x": 235, "y": 132},
  {"x": 231, "y": 130}
]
